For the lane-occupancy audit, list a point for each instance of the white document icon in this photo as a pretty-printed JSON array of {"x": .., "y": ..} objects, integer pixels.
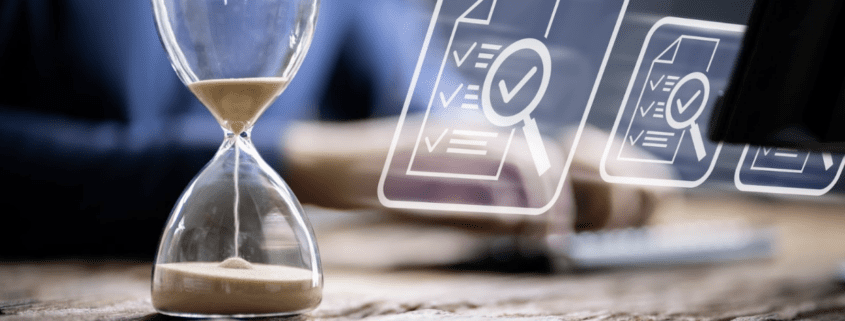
[
  {"x": 480, "y": 61},
  {"x": 682, "y": 66},
  {"x": 495, "y": 75},
  {"x": 787, "y": 171},
  {"x": 784, "y": 160}
]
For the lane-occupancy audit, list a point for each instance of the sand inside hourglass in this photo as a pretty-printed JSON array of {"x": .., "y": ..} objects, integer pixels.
[
  {"x": 234, "y": 286},
  {"x": 241, "y": 288},
  {"x": 237, "y": 103}
]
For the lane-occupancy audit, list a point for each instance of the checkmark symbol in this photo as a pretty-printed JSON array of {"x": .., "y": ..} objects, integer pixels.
[
  {"x": 507, "y": 95},
  {"x": 634, "y": 140},
  {"x": 766, "y": 151},
  {"x": 428, "y": 142},
  {"x": 445, "y": 101},
  {"x": 460, "y": 61},
  {"x": 653, "y": 85},
  {"x": 644, "y": 111},
  {"x": 683, "y": 107}
]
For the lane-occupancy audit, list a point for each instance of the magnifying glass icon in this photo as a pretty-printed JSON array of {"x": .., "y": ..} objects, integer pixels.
[
  {"x": 681, "y": 105},
  {"x": 529, "y": 128}
]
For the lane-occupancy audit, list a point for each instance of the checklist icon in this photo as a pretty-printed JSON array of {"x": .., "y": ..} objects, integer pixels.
[
  {"x": 496, "y": 78},
  {"x": 781, "y": 170},
  {"x": 682, "y": 66}
]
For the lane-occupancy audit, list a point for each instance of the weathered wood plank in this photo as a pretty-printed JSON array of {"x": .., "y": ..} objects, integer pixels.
[
  {"x": 797, "y": 285},
  {"x": 705, "y": 293}
]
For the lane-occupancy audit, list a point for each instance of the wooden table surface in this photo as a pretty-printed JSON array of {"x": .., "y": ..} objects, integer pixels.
[{"x": 797, "y": 284}]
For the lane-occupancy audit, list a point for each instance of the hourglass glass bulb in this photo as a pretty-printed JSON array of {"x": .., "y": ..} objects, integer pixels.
[{"x": 237, "y": 243}]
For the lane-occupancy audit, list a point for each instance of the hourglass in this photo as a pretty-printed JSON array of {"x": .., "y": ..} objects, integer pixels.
[{"x": 237, "y": 242}]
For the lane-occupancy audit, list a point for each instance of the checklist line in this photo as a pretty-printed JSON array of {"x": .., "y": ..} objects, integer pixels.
[
  {"x": 655, "y": 145},
  {"x": 466, "y": 151},
  {"x": 468, "y": 142},
  {"x": 781, "y": 154},
  {"x": 658, "y": 133},
  {"x": 490, "y": 46}
]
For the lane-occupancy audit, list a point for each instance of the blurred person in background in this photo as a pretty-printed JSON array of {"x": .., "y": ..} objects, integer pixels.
[{"x": 100, "y": 136}]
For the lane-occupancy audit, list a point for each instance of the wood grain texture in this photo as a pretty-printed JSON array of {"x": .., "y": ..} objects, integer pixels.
[
  {"x": 797, "y": 285},
  {"x": 87, "y": 292}
]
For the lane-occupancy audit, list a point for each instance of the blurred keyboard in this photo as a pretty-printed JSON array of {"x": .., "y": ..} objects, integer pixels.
[{"x": 682, "y": 244}]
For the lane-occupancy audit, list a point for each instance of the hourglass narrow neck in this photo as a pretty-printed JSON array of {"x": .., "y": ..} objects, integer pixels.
[
  {"x": 246, "y": 133},
  {"x": 239, "y": 143}
]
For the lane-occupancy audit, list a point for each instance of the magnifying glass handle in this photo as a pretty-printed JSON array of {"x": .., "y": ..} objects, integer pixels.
[
  {"x": 535, "y": 146},
  {"x": 697, "y": 141}
]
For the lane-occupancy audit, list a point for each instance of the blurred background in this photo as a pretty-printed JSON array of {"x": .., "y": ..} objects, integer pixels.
[{"x": 100, "y": 137}]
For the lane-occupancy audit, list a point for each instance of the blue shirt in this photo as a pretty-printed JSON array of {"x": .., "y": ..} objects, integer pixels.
[{"x": 98, "y": 130}]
